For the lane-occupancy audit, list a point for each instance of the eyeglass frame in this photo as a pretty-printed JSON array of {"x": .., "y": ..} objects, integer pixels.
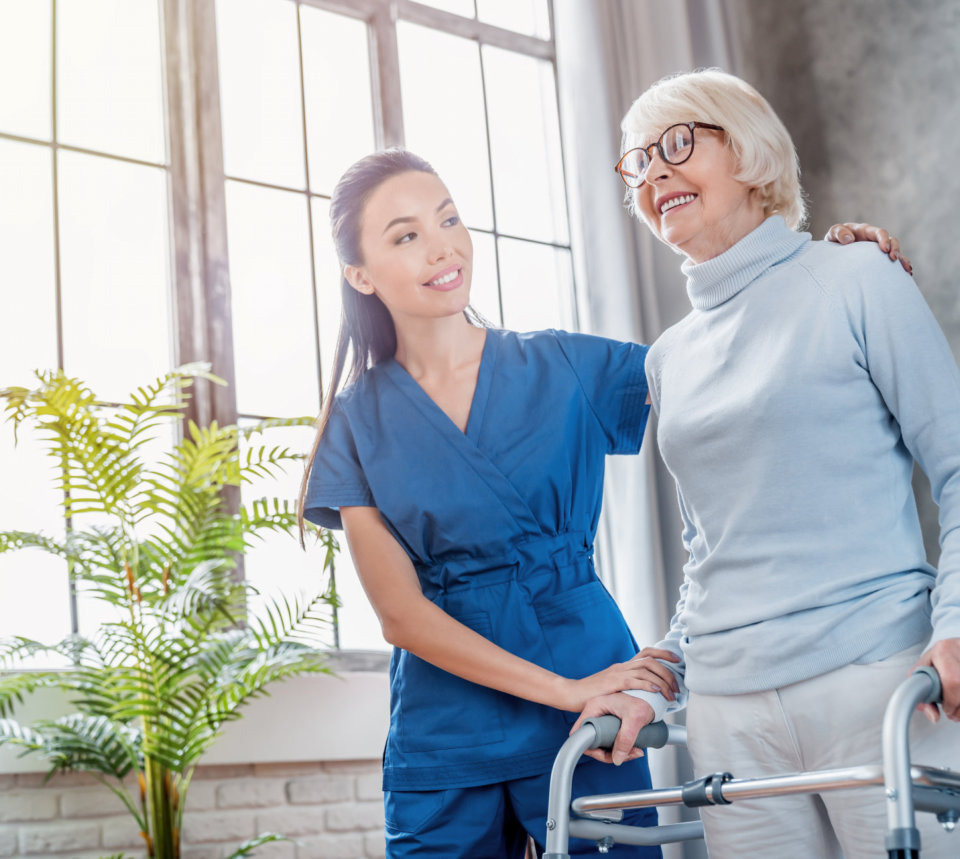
[{"x": 657, "y": 145}]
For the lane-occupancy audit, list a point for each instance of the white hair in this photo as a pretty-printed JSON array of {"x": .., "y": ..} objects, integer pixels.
[{"x": 760, "y": 142}]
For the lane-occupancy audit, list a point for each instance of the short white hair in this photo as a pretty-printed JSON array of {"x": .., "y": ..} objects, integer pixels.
[{"x": 760, "y": 142}]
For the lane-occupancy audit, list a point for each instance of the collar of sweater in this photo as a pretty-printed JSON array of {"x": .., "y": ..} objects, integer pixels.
[{"x": 717, "y": 280}]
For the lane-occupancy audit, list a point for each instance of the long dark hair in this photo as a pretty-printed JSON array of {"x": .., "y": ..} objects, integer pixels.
[{"x": 367, "y": 334}]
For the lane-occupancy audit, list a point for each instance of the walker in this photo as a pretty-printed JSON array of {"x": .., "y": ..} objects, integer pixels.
[{"x": 908, "y": 788}]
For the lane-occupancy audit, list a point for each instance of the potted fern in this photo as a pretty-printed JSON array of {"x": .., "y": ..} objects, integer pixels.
[{"x": 152, "y": 689}]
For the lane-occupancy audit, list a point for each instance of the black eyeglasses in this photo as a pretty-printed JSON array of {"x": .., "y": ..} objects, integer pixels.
[{"x": 675, "y": 146}]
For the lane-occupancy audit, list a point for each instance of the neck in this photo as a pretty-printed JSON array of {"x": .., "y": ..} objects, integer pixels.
[
  {"x": 430, "y": 347},
  {"x": 724, "y": 235}
]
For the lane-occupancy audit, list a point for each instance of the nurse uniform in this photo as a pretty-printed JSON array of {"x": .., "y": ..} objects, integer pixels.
[{"x": 499, "y": 522}]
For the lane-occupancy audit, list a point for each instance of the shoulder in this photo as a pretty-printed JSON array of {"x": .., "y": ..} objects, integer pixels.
[
  {"x": 361, "y": 393},
  {"x": 661, "y": 347},
  {"x": 844, "y": 269}
]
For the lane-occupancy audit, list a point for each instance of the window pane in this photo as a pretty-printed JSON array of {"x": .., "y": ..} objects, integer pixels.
[
  {"x": 109, "y": 87},
  {"x": 443, "y": 115},
  {"x": 537, "y": 286},
  {"x": 328, "y": 286},
  {"x": 115, "y": 277},
  {"x": 273, "y": 331},
  {"x": 33, "y": 585},
  {"x": 28, "y": 292},
  {"x": 336, "y": 76},
  {"x": 458, "y": 7},
  {"x": 260, "y": 91},
  {"x": 25, "y": 39},
  {"x": 525, "y": 145},
  {"x": 484, "y": 295},
  {"x": 359, "y": 626},
  {"x": 524, "y": 16}
]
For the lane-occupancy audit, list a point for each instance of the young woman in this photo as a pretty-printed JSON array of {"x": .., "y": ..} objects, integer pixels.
[
  {"x": 792, "y": 402},
  {"x": 465, "y": 465}
]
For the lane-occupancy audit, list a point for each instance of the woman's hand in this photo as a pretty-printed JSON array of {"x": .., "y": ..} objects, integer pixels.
[
  {"x": 634, "y": 713},
  {"x": 850, "y": 232},
  {"x": 644, "y": 671},
  {"x": 945, "y": 657}
]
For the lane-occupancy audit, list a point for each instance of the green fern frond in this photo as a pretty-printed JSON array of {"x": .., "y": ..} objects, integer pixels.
[
  {"x": 15, "y": 686},
  {"x": 248, "y": 848}
]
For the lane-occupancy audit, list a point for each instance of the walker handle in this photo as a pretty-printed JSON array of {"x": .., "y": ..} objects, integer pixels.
[
  {"x": 652, "y": 736},
  {"x": 935, "y": 695}
]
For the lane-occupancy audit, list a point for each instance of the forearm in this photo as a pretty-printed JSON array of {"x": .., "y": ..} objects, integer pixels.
[{"x": 428, "y": 632}]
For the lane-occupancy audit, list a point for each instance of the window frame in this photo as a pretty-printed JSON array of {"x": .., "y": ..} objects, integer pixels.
[{"x": 200, "y": 283}]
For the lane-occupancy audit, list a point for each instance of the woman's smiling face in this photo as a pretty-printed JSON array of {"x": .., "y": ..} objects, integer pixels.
[
  {"x": 417, "y": 254},
  {"x": 698, "y": 207}
]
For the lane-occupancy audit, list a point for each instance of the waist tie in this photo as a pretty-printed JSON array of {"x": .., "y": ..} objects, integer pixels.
[{"x": 524, "y": 558}]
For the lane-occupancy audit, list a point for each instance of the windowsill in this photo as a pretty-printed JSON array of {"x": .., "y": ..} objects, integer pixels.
[{"x": 316, "y": 717}]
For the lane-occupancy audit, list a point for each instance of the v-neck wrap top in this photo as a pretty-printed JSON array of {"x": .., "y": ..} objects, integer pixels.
[{"x": 499, "y": 522}]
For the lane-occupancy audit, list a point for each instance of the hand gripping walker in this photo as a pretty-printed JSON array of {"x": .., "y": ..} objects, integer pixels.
[{"x": 907, "y": 788}]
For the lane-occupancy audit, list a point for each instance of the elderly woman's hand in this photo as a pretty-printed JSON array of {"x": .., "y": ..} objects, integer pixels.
[
  {"x": 945, "y": 657},
  {"x": 849, "y": 232}
]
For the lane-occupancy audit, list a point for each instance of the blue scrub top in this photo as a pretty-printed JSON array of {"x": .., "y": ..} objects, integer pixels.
[{"x": 499, "y": 522}]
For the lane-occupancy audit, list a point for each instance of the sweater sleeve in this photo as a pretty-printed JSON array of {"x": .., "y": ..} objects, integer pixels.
[
  {"x": 911, "y": 364},
  {"x": 673, "y": 641}
]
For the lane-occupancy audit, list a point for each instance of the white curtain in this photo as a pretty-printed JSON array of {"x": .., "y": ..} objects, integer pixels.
[{"x": 629, "y": 285}]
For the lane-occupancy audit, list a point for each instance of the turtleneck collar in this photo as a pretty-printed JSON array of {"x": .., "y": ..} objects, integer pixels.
[{"x": 717, "y": 280}]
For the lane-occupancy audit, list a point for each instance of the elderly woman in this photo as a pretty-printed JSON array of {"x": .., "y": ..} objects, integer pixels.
[{"x": 792, "y": 402}]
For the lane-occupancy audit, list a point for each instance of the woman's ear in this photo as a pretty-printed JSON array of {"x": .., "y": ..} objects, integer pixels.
[{"x": 358, "y": 279}]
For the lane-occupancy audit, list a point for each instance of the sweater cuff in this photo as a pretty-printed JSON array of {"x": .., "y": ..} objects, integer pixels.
[{"x": 656, "y": 701}]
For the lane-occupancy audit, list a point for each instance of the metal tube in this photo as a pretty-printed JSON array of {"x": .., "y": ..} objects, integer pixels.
[
  {"x": 641, "y": 835},
  {"x": 747, "y": 788},
  {"x": 561, "y": 782},
  {"x": 896, "y": 756}
]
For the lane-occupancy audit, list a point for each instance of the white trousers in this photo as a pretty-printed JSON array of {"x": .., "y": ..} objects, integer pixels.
[{"x": 823, "y": 723}]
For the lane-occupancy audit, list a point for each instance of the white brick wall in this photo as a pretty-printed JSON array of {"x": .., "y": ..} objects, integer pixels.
[{"x": 332, "y": 811}]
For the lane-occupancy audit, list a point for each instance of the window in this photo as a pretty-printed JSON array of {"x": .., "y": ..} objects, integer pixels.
[
  {"x": 84, "y": 184},
  {"x": 206, "y": 213}
]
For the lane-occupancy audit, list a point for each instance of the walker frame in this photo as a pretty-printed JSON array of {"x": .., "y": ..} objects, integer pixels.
[{"x": 908, "y": 788}]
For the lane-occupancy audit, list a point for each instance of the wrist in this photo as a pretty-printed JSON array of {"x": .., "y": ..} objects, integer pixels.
[
  {"x": 564, "y": 695},
  {"x": 643, "y": 699}
]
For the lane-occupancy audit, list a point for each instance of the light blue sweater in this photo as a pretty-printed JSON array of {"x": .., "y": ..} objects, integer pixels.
[{"x": 793, "y": 400}]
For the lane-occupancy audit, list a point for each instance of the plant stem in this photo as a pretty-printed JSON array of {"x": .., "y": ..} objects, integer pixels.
[{"x": 162, "y": 798}]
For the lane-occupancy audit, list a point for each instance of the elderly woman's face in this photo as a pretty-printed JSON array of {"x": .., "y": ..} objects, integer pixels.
[{"x": 698, "y": 207}]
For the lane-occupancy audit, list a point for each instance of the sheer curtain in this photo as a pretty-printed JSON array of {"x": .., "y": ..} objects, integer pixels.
[{"x": 630, "y": 286}]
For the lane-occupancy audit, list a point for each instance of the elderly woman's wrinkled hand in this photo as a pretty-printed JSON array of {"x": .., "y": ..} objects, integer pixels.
[
  {"x": 945, "y": 657},
  {"x": 853, "y": 232},
  {"x": 633, "y": 713}
]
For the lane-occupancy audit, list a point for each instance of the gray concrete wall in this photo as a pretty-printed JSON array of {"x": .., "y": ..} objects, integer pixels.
[{"x": 869, "y": 90}]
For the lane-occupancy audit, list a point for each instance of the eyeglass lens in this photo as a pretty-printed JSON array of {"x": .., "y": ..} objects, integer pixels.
[{"x": 675, "y": 145}]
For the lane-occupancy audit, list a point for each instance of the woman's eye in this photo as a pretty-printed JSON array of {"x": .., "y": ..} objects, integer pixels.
[
  {"x": 405, "y": 238},
  {"x": 452, "y": 221}
]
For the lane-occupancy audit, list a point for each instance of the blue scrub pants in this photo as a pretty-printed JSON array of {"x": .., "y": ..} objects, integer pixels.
[{"x": 493, "y": 821}]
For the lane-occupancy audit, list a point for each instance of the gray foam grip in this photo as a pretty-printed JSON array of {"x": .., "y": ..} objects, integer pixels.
[
  {"x": 936, "y": 694},
  {"x": 653, "y": 736}
]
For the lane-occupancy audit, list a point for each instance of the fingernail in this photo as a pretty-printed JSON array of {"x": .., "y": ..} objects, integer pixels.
[
  {"x": 618, "y": 758},
  {"x": 655, "y": 688},
  {"x": 846, "y": 238}
]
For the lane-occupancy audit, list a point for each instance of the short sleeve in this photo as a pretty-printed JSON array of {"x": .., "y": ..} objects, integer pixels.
[
  {"x": 336, "y": 476},
  {"x": 612, "y": 378}
]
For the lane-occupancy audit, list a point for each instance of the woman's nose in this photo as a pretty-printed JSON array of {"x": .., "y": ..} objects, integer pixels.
[
  {"x": 440, "y": 248},
  {"x": 657, "y": 169}
]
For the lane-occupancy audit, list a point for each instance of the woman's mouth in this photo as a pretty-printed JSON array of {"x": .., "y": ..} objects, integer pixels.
[
  {"x": 446, "y": 280},
  {"x": 674, "y": 202}
]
